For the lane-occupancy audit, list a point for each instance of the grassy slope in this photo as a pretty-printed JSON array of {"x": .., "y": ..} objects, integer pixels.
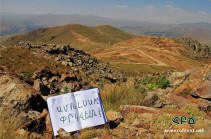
[
  {"x": 21, "y": 60},
  {"x": 65, "y": 35}
]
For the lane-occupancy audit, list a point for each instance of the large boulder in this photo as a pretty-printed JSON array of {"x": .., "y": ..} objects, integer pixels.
[
  {"x": 20, "y": 103},
  {"x": 113, "y": 116},
  {"x": 64, "y": 134},
  {"x": 151, "y": 98}
]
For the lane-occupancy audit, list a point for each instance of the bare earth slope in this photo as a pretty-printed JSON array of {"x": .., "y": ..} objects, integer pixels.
[{"x": 147, "y": 54}]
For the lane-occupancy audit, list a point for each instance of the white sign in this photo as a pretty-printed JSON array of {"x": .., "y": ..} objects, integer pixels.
[{"x": 74, "y": 111}]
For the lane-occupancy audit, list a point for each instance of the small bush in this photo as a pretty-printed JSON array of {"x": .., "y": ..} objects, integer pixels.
[
  {"x": 154, "y": 82},
  {"x": 65, "y": 90},
  {"x": 195, "y": 112},
  {"x": 102, "y": 83},
  {"x": 185, "y": 93}
]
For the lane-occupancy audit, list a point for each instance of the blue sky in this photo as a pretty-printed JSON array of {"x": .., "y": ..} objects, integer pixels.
[{"x": 163, "y": 11}]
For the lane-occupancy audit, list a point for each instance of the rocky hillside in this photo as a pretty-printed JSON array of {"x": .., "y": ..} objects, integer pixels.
[
  {"x": 196, "y": 49},
  {"x": 51, "y": 68},
  {"x": 189, "y": 95}
]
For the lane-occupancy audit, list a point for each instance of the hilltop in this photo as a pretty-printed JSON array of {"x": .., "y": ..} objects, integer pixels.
[{"x": 74, "y": 34}]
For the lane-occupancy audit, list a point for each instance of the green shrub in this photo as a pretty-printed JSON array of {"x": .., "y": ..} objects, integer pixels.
[
  {"x": 195, "y": 112},
  {"x": 155, "y": 82},
  {"x": 102, "y": 83},
  {"x": 185, "y": 93},
  {"x": 65, "y": 90}
]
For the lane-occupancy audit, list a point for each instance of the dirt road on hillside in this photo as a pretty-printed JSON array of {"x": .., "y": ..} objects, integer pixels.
[
  {"x": 100, "y": 34},
  {"x": 159, "y": 63}
]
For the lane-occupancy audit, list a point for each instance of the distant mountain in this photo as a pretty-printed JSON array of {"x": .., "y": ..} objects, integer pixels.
[
  {"x": 17, "y": 23},
  {"x": 199, "y": 31},
  {"x": 11, "y": 27},
  {"x": 51, "y": 20},
  {"x": 73, "y": 34}
]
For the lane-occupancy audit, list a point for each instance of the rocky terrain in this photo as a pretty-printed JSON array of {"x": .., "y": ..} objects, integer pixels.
[
  {"x": 189, "y": 95},
  {"x": 82, "y": 68},
  {"x": 196, "y": 49},
  {"x": 177, "y": 85},
  {"x": 74, "y": 58}
]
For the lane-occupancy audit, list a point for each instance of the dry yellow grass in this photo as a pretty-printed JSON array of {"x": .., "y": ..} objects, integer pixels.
[
  {"x": 21, "y": 60},
  {"x": 125, "y": 93},
  {"x": 7, "y": 128}
]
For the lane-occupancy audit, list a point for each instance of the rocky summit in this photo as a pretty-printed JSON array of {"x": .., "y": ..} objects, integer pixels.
[{"x": 75, "y": 59}]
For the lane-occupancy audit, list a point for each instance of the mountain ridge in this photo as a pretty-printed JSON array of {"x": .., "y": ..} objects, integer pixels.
[{"x": 73, "y": 34}]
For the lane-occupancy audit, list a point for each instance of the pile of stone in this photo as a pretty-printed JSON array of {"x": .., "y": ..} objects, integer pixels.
[
  {"x": 30, "y": 45},
  {"x": 75, "y": 58},
  {"x": 51, "y": 82}
]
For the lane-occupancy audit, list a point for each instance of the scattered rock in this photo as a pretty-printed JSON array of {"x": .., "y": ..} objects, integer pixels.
[
  {"x": 22, "y": 132},
  {"x": 63, "y": 134},
  {"x": 178, "y": 78},
  {"x": 142, "y": 130},
  {"x": 113, "y": 116},
  {"x": 124, "y": 109},
  {"x": 208, "y": 76},
  {"x": 136, "y": 123},
  {"x": 151, "y": 98},
  {"x": 74, "y": 58},
  {"x": 146, "y": 116},
  {"x": 44, "y": 113},
  {"x": 205, "y": 106},
  {"x": 48, "y": 124}
]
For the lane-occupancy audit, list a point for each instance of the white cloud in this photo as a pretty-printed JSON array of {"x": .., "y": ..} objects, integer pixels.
[
  {"x": 169, "y": 5},
  {"x": 116, "y": 6},
  {"x": 201, "y": 13},
  {"x": 177, "y": 8},
  {"x": 172, "y": 15},
  {"x": 150, "y": 9}
]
